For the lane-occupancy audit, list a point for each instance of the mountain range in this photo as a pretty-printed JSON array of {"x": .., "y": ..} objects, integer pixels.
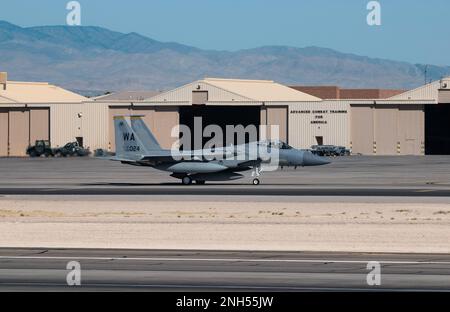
[{"x": 94, "y": 59}]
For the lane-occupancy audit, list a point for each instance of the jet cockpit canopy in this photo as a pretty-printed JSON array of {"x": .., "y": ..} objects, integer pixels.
[{"x": 276, "y": 144}]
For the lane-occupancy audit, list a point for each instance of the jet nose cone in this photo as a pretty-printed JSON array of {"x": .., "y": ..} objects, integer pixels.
[{"x": 309, "y": 159}]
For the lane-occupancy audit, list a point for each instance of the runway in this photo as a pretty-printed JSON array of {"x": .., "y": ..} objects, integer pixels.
[
  {"x": 177, "y": 270},
  {"x": 226, "y": 190},
  {"x": 427, "y": 176},
  {"x": 387, "y": 186}
]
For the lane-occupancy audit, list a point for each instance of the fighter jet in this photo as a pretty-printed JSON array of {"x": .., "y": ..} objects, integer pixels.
[{"x": 137, "y": 146}]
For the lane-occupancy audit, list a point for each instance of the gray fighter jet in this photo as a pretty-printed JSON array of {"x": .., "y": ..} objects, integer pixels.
[{"x": 136, "y": 145}]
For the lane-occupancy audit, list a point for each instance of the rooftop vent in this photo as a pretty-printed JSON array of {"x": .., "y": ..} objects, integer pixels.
[{"x": 3, "y": 79}]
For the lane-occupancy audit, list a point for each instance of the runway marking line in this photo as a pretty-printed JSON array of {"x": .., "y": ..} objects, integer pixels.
[
  {"x": 287, "y": 288},
  {"x": 222, "y": 260},
  {"x": 426, "y": 191}
]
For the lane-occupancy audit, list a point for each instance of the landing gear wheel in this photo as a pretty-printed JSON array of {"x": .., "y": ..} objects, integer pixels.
[
  {"x": 186, "y": 180},
  {"x": 200, "y": 182},
  {"x": 256, "y": 181}
]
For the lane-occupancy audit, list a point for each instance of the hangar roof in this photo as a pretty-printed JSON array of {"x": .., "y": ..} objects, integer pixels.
[
  {"x": 127, "y": 96},
  {"x": 335, "y": 92},
  {"x": 229, "y": 90},
  {"x": 426, "y": 92},
  {"x": 261, "y": 90},
  {"x": 37, "y": 92}
]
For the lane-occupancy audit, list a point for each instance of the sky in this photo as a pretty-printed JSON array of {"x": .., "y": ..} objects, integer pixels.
[{"x": 415, "y": 31}]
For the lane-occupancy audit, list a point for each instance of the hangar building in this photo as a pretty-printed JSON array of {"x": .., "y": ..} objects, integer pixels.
[
  {"x": 407, "y": 123},
  {"x": 378, "y": 126},
  {"x": 218, "y": 101},
  {"x": 31, "y": 111}
]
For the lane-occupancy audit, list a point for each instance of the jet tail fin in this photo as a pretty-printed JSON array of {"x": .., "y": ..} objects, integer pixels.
[
  {"x": 128, "y": 144},
  {"x": 144, "y": 134}
]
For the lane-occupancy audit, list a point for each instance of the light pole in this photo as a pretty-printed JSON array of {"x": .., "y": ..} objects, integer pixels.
[{"x": 80, "y": 116}]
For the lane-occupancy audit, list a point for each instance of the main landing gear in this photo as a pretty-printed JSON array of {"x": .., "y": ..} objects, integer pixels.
[{"x": 187, "y": 180}]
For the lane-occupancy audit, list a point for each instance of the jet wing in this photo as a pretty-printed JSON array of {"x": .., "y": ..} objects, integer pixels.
[
  {"x": 250, "y": 163},
  {"x": 168, "y": 156}
]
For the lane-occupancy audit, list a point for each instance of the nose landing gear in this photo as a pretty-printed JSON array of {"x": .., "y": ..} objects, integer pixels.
[{"x": 256, "y": 174}]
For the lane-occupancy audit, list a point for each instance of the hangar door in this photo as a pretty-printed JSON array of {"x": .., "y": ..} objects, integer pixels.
[
  {"x": 21, "y": 127},
  {"x": 277, "y": 116},
  {"x": 362, "y": 134},
  {"x": 221, "y": 116},
  {"x": 386, "y": 129},
  {"x": 437, "y": 129},
  {"x": 160, "y": 120},
  {"x": 4, "y": 132},
  {"x": 411, "y": 129},
  {"x": 18, "y": 132}
]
